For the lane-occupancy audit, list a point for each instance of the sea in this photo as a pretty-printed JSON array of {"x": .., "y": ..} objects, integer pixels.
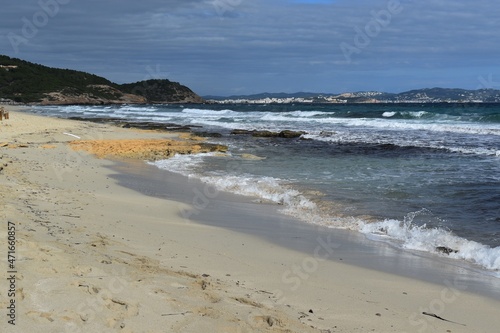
[{"x": 422, "y": 177}]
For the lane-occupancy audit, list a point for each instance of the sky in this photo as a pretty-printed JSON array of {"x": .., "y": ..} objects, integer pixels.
[{"x": 228, "y": 47}]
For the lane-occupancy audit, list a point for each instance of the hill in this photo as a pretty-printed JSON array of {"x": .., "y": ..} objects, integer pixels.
[
  {"x": 427, "y": 95},
  {"x": 26, "y": 82},
  {"x": 159, "y": 91}
]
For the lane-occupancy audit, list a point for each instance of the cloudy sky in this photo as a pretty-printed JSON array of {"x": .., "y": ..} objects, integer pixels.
[{"x": 226, "y": 47}]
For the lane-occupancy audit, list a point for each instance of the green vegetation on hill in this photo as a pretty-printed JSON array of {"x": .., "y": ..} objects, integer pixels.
[
  {"x": 156, "y": 91},
  {"x": 30, "y": 82},
  {"x": 25, "y": 82}
]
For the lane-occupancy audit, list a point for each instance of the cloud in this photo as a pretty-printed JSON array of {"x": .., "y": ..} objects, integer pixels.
[{"x": 215, "y": 46}]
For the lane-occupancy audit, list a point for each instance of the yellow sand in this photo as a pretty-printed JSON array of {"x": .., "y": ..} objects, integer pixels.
[{"x": 92, "y": 256}]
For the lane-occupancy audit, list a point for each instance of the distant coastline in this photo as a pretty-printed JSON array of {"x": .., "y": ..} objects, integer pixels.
[
  {"x": 20, "y": 83},
  {"x": 419, "y": 96}
]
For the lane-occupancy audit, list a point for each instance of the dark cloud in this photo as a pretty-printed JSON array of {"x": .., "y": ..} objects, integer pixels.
[{"x": 227, "y": 46}]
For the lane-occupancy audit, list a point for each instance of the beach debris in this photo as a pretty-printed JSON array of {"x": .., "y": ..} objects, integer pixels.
[
  {"x": 75, "y": 136},
  {"x": 441, "y": 318},
  {"x": 176, "y": 314},
  {"x": 445, "y": 250},
  {"x": 69, "y": 215},
  {"x": 264, "y": 292}
]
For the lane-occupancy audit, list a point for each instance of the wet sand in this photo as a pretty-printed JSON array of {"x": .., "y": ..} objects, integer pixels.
[{"x": 98, "y": 249}]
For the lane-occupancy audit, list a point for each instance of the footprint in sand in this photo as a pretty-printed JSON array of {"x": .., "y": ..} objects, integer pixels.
[
  {"x": 40, "y": 317},
  {"x": 121, "y": 310},
  {"x": 91, "y": 289}
]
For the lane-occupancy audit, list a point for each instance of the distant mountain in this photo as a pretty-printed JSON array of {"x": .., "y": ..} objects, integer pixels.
[
  {"x": 25, "y": 82},
  {"x": 449, "y": 95},
  {"x": 427, "y": 95}
]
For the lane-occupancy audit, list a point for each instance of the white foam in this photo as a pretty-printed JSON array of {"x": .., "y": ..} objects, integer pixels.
[
  {"x": 183, "y": 164},
  {"x": 346, "y": 136},
  {"x": 419, "y": 114},
  {"x": 410, "y": 114},
  {"x": 421, "y": 238},
  {"x": 307, "y": 114},
  {"x": 266, "y": 188},
  {"x": 389, "y": 114},
  {"x": 203, "y": 112},
  {"x": 402, "y": 233}
]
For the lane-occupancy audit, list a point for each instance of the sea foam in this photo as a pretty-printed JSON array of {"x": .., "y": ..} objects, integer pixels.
[{"x": 421, "y": 238}]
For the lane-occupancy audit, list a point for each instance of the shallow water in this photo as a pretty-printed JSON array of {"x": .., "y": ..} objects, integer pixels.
[{"x": 420, "y": 176}]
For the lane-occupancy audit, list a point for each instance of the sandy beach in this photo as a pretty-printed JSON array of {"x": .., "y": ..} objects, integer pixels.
[{"x": 92, "y": 255}]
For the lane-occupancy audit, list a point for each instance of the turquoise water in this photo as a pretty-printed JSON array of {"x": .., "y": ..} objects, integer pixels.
[{"x": 419, "y": 176}]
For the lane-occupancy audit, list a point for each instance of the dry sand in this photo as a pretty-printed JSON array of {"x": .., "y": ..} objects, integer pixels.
[{"x": 92, "y": 256}]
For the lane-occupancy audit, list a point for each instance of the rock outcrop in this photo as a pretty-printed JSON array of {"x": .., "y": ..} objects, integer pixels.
[
  {"x": 287, "y": 134},
  {"x": 106, "y": 95}
]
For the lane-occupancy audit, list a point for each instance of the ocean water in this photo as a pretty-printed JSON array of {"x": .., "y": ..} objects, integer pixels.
[{"x": 421, "y": 177}]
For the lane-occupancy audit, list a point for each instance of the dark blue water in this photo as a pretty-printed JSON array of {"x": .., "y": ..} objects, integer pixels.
[{"x": 421, "y": 176}]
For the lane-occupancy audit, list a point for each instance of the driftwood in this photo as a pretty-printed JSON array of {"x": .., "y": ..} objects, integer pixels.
[{"x": 441, "y": 318}]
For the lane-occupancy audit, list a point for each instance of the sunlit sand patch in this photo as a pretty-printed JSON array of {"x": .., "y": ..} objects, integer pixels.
[{"x": 147, "y": 149}]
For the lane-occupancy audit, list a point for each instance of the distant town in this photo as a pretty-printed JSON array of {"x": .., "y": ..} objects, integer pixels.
[{"x": 429, "y": 95}]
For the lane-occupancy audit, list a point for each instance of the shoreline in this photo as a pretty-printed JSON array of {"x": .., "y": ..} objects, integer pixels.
[
  {"x": 230, "y": 211},
  {"x": 84, "y": 239}
]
